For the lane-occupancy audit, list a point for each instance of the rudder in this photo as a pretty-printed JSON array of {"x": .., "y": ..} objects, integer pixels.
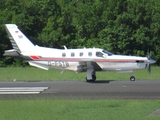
[{"x": 18, "y": 40}]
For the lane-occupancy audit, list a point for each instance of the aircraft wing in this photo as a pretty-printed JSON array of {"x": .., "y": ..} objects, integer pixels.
[
  {"x": 32, "y": 63},
  {"x": 87, "y": 64},
  {"x": 96, "y": 66}
]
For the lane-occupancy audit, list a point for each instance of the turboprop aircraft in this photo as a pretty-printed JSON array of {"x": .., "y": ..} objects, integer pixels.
[{"x": 88, "y": 60}]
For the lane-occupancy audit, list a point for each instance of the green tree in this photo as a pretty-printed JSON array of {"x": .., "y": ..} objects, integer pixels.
[{"x": 121, "y": 26}]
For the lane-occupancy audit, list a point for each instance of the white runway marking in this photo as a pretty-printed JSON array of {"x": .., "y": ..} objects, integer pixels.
[{"x": 22, "y": 90}]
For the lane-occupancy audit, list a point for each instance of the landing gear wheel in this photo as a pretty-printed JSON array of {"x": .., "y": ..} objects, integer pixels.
[
  {"x": 91, "y": 80},
  {"x": 132, "y": 78},
  {"x": 93, "y": 77}
]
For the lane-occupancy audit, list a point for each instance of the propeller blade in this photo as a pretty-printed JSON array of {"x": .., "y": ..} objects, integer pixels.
[
  {"x": 149, "y": 54},
  {"x": 149, "y": 68},
  {"x": 148, "y": 64},
  {"x": 150, "y": 61}
]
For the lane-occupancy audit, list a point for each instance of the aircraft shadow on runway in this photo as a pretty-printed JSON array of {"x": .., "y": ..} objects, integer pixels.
[{"x": 101, "y": 81}]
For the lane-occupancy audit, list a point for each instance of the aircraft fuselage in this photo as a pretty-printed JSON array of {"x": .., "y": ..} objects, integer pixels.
[{"x": 81, "y": 59}]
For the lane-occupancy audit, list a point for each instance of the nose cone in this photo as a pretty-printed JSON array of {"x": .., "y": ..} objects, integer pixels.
[{"x": 151, "y": 61}]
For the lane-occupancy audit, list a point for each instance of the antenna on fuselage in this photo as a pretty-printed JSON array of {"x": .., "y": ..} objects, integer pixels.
[{"x": 65, "y": 47}]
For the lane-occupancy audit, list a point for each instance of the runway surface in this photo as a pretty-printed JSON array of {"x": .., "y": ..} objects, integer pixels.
[{"x": 82, "y": 90}]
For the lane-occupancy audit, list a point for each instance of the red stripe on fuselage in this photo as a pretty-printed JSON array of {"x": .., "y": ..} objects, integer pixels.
[
  {"x": 81, "y": 60},
  {"x": 35, "y": 57},
  {"x": 111, "y": 60}
]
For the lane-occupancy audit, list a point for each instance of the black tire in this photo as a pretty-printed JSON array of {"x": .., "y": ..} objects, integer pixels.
[
  {"x": 93, "y": 77},
  {"x": 91, "y": 80},
  {"x": 132, "y": 78}
]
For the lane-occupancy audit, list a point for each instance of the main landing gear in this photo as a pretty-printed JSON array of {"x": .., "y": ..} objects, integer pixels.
[
  {"x": 91, "y": 75},
  {"x": 91, "y": 80}
]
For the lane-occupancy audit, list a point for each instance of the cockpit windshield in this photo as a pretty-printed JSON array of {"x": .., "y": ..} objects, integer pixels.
[{"x": 107, "y": 52}]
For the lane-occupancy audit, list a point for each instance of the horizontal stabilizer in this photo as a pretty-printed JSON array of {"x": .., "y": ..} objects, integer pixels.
[
  {"x": 39, "y": 65},
  {"x": 11, "y": 53}
]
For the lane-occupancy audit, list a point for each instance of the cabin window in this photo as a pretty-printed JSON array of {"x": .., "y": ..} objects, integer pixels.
[
  {"x": 89, "y": 53},
  {"x": 81, "y": 54},
  {"x": 63, "y": 54},
  {"x": 99, "y": 54},
  {"x": 72, "y": 54}
]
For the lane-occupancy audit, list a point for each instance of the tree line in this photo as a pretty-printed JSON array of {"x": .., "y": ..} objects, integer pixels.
[{"x": 128, "y": 27}]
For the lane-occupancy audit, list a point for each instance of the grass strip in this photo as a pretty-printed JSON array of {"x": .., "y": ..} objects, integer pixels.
[
  {"x": 31, "y": 73},
  {"x": 49, "y": 109}
]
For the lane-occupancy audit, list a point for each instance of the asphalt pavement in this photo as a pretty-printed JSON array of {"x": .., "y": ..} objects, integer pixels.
[{"x": 81, "y": 89}]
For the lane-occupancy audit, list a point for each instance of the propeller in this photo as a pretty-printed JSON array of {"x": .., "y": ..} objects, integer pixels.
[
  {"x": 150, "y": 61},
  {"x": 148, "y": 64}
]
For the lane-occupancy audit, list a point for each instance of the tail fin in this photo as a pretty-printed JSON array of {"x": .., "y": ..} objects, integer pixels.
[{"x": 18, "y": 40}]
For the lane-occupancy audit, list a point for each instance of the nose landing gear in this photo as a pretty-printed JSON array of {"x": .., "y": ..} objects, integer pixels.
[{"x": 132, "y": 78}]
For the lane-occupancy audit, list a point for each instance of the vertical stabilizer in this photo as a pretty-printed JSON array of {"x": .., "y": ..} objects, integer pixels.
[{"x": 18, "y": 40}]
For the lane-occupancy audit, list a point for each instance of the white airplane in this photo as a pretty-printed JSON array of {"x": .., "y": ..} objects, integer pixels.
[{"x": 88, "y": 60}]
